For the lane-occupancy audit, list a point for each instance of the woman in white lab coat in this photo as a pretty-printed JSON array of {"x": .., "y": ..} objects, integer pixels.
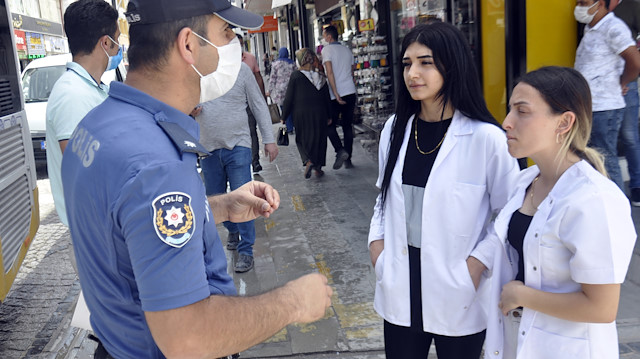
[
  {"x": 561, "y": 246},
  {"x": 444, "y": 170}
]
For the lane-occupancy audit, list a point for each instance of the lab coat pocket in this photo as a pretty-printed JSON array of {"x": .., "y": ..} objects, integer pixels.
[
  {"x": 379, "y": 266},
  {"x": 464, "y": 207},
  {"x": 555, "y": 261},
  {"x": 465, "y": 291},
  {"x": 548, "y": 345},
  {"x": 469, "y": 280}
]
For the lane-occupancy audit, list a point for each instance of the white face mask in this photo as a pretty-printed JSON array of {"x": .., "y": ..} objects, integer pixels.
[
  {"x": 581, "y": 13},
  {"x": 224, "y": 77}
]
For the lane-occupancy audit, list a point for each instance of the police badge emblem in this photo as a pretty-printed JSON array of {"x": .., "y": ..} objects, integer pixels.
[{"x": 173, "y": 218}]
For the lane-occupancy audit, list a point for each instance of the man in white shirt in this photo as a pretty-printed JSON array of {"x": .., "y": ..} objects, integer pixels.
[
  {"x": 629, "y": 12},
  {"x": 92, "y": 31},
  {"x": 605, "y": 48},
  {"x": 338, "y": 64}
]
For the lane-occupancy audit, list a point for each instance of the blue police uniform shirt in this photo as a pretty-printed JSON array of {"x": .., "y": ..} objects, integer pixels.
[{"x": 142, "y": 229}]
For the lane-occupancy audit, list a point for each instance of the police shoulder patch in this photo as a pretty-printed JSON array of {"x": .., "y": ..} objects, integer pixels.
[{"x": 173, "y": 218}]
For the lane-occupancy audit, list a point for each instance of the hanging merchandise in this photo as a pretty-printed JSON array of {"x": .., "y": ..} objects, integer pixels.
[{"x": 373, "y": 79}]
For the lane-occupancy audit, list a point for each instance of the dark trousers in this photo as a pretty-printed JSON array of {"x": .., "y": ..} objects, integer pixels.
[
  {"x": 412, "y": 342},
  {"x": 255, "y": 146},
  {"x": 101, "y": 352},
  {"x": 345, "y": 114}
]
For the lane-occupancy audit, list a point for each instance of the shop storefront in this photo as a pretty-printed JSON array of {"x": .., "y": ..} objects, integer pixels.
[
  {"x": 507, "y": 39},
  {"x": 377, "y": 47},
  {"x": 35, "y": 45},
  {"x": 42, "y": 37},
  {"x": 21, "y": 46}
]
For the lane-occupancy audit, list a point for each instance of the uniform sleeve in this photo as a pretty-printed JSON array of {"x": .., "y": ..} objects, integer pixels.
[
  {"x": 502, "y": 176},
  {"x": 502, "y": 171},
  {"x": 260, "y": 110},
  {"x": 376, "y": 227},
  {"x": 487, "y": 248},
  {"x": 167, "y": 276},
  {"x": 600, "y": 233},
  {"x": 619, "y": 37}
]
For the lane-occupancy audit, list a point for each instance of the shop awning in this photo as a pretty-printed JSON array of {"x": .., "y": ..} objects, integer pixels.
[
  {"x": 259, "y": 6},
  {"x": 278, "y": 3},
  {"x": 326, "y": 6}
]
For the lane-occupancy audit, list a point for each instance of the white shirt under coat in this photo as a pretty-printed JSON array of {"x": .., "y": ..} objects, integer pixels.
[
  {"x": 582, "y": 233},
  {"x": 470, "y": 180}
]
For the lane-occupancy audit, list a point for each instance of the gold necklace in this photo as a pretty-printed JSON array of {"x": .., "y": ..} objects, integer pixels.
[
  {"x": 415, "y": 135},
  {"x": 533, "y": 188}
]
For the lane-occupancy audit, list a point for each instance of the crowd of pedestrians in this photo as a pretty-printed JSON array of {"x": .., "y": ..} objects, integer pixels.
[{"x": 469, "y": 251}]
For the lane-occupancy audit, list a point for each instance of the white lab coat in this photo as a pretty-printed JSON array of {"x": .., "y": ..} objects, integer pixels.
[
  {"x": 470, "y": 179},
  {"x": 582, "y": 233}
]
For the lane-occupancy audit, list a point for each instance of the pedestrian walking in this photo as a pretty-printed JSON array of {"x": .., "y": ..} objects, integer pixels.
[
  {"x": 150, "y": 260},
  {"x": 225, "y": 132},
  {"x": 307, "y": 101},
  {"x": 338, "y": 65},
  {"x": 561, "y": 246},
  {"x": 629, "y": 12},
  {"x": 281, "y": 70},
  {"x": 444, "y": 170},
  {"x": 92, "y": 31},
  {"x": 251, "y": 61},
  {"x": 608, "y": 58},
  {"x": 266, "y": 62}
]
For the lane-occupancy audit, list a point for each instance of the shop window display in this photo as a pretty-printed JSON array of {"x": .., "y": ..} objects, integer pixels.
[
  {"x": 405, "y": 14},
  {"x": 373, "y": 79},
  {"x": 463, "y": 13}
]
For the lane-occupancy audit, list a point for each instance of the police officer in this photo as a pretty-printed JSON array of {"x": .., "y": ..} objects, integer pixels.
[{"x": 150, "y": 261}]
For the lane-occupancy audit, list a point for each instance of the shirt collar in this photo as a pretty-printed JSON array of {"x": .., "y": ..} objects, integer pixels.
[
  {"x": 82, "y": 72},
  {"x": 183, "y": 130},
  {"x": 602, "y": 21}
]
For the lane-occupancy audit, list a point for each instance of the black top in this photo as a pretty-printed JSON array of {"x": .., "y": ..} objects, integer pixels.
[
  {"x": 518, "y": 226},
  {"x": 417, "y": 166}
]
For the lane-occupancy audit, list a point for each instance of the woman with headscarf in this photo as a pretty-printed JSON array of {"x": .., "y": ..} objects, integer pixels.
[
  {"x": 307, "y": 100},
  {"x": 281, "y": 70}
]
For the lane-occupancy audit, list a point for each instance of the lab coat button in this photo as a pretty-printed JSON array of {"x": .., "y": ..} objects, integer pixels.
[
  {"x": 535, "y": 268},
  {"x": 523, "y": 332},
  {"x": 496, "y": 352},
  {"x": 536, "y": 235},
  {"x": 404, "y": 251}
]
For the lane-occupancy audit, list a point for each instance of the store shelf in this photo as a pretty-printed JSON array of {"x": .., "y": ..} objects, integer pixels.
[{"x": 373, "y": 80}]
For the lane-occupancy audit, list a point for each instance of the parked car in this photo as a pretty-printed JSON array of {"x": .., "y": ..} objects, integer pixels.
[{"x": 38, "y": 79}]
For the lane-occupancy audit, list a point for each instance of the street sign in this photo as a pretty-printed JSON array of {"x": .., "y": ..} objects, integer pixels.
[
  {"x": 339, "y": 24},
  {"x": 270, "y": 24},
  {"x": 366, "y": 25}
]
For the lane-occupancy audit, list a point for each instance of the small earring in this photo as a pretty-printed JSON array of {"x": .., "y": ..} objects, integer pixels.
[{"x": 558, "y": 138}]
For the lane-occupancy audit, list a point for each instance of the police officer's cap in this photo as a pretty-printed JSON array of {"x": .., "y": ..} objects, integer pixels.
[{"x": 141, "y": 12}]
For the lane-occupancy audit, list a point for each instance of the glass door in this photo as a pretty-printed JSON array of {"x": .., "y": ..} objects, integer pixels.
[
  {"x": 406, "y": 14},
  {"x": 464, "y": 15}
]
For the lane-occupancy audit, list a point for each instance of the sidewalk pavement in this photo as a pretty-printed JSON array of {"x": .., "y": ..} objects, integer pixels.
[{"x": 322, "y": 225}]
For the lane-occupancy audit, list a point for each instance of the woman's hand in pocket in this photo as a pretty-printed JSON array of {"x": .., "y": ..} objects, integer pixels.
[
  {"x": 375, "y": 248},
  {"x": 475, "y": 270}
]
